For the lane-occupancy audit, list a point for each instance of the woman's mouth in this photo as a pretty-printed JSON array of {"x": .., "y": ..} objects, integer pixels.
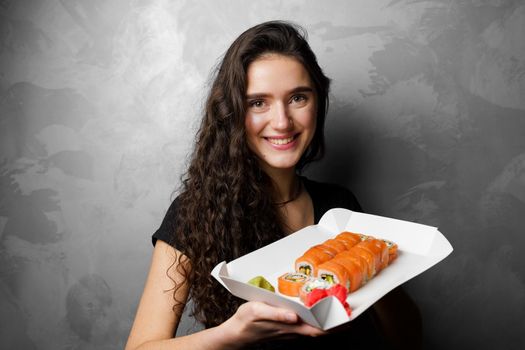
[{"x": 282, "y": 143}]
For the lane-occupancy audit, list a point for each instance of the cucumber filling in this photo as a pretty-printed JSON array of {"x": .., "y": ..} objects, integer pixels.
[
  {"x": 306, "y": 270},
  {"x": 328, "y": 278}
]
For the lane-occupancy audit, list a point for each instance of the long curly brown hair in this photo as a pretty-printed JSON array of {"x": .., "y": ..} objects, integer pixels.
[{"x": 225, "y": 208}]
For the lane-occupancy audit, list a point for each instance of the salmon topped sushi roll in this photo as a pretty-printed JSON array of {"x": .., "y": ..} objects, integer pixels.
[
  {"x": 392, "y": 250},
  {"x": 354, "y": 270},
  {"x": 335, "y": 244},
  {"x": 323, "y": 248},
  {"x": 380, "y": 251},
  {"x": 359, "y": 260},
  {"x": 365, "y": 237},
  {"x": 384, "y": 251},
  {"x": 310, "y": 285},
  {"x": 350, "y": 259},
  {"x": 369, "y": 257},
  {"x": 291, "y": 283},
  {"x": 333, "y": 272},
  {"x": 351, "y": 238},
  {"x": 308, "y": 262}
]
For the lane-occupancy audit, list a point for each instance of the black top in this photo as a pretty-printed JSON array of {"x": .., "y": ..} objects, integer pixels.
[
  {"x": 324, "y": 197},
  {"x": 360, "y": 333}
]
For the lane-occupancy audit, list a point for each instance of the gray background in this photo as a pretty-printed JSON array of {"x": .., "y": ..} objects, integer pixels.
[{"x": 99, "y": 101}]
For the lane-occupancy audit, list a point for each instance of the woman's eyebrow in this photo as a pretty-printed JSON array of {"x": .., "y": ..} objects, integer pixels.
[{"x": 293, "y": 91}]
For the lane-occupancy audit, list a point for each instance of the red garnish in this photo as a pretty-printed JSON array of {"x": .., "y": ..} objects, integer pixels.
[
  {"x": 314, "y": 296},
  {"x": 337, "y": 290},
  {"x": 340, "y": 292}
]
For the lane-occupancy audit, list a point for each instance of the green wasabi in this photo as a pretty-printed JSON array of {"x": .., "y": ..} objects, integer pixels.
[{"x": 261, "y": 282}]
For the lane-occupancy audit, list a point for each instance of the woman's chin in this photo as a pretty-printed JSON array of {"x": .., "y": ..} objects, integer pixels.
[{"x": 280, "y": 164}]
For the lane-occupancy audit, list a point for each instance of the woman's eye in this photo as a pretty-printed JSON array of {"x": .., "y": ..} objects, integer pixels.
[
  {"x": 256, "y": 104},
  {"x": 298, "y": 98}
]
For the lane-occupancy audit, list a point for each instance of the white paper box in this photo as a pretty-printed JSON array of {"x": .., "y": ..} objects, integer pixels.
[{"x": 419, "y": 246}]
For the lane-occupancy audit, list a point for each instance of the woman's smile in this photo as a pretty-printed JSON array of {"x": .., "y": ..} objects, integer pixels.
[{"x": 283, "y": 142}]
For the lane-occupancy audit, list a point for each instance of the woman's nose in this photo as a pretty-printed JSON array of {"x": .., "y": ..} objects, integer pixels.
[{"x": 281, "y": 120}]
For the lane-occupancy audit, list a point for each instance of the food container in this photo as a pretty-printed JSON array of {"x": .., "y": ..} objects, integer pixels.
[{"x": 419, "y": 248}]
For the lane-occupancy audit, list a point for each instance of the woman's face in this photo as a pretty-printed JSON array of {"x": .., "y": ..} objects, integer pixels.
[{"x": 281, "y": 110}]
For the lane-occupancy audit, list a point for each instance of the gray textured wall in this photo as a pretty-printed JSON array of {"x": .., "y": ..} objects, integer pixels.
[{"x": 99, "y": 101}]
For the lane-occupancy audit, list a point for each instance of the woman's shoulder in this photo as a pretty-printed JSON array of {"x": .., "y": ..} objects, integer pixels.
[{"x": 165, "y": 232}]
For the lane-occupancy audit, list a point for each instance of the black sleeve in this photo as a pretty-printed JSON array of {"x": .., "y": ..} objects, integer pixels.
[{"x": 166, "y": 230}]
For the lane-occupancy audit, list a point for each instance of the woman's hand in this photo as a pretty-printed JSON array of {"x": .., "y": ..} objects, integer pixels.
[{"x": 255, "y": 321}]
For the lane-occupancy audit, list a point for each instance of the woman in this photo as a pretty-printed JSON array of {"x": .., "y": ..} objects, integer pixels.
[{"x": 263, "y": 122}]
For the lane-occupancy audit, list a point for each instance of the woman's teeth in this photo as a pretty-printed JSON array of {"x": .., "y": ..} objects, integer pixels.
[{"x": 281, "y": 141}]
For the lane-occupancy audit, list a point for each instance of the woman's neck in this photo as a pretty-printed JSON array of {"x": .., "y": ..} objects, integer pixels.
[{"x": 285, "y": 182}]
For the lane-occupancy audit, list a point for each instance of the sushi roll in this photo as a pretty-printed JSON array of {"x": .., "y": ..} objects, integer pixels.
[
  {"x": 334, "y": 273},
  {"x": 380, "y": 252},
  {"x": 322, "y": 248},
  {"x": 310, "y": 285},
  {"x": 350, "y": 238},
  {"x": 383, "y": 251},
  {"x": 354, "y": 271},
  {"x": 350, "y": 259},
  {"x": 335, "y": 244},
  {"x": 360, "y": 261},
  {"x": 369, "y": 258},
  {"x": 308, "y": 262},
  {"x": 291, "y": 283},
  {"x": 365, "y": 237},
  {"x": 392, "y": 250}
]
